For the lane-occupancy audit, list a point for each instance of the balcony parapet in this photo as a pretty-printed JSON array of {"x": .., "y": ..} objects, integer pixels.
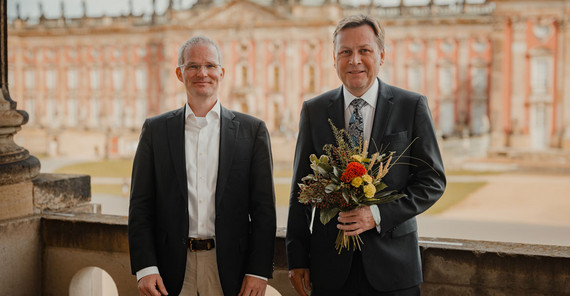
[{"x": 450, "y": 266}]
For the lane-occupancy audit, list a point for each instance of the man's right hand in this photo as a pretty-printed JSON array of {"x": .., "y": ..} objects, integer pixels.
[
  {"x": 300, "y": 280},
  {"x": 152, "y": 285}
]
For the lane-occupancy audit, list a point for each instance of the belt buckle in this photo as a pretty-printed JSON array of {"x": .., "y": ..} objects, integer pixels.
[{"x": 209, "y": 244}]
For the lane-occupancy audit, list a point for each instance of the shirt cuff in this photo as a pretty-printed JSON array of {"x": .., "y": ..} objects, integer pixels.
[
  {"x": 147, "y": 271},
  {"x": 256, "y": 276},
  {"x": 376, "y": 215}
]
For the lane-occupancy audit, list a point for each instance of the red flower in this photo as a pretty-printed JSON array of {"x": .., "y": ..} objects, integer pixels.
[{"x": 353, "y": 170}]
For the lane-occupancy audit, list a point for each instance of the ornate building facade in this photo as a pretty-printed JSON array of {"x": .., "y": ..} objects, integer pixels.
[{"x": 496, "y": 68}]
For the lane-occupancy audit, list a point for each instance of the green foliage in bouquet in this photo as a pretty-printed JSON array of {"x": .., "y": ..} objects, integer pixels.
[{"x": 344, "y": 178}]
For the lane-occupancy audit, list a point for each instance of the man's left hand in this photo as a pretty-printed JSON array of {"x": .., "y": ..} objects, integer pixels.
[
  {"x": 252, "y": 286},
  {"x": 356, "y": 221}
]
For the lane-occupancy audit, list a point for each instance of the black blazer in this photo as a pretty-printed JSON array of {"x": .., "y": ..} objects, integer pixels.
[
  {"x": 391, "y": 258},
  {"x": 245, "y": 201}
]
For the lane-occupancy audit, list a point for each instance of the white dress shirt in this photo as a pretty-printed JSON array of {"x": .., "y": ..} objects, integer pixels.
[
  {"x": 202, "y": 150},
  {"x": 368, "y": 111}
]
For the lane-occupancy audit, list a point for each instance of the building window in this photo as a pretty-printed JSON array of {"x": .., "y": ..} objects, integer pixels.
[
  {"x": 141, "y": 78},
  {"x": 29, "y": 81},
  {"x": 446, "y": 81},
  {"x": 71, "y": 111},
  {"x": 141, "y": 109},
  {"x": 479, "y": 81},
  {"x": 50, "y": 116},
  {"x": 118, "y": 75},
  {"x": 51, "y": 79},
  {"x": 94, "y": 79},
  {"x": 72, "y": 79},
  {"x": 118, "y": 111},
  {"x": 540, "y": 74},
  {"x": 94, "y": 111},
  {"x": 414, "y": 78}
]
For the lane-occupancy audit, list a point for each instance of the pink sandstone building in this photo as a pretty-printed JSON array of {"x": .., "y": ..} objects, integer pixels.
[{"x": 498, "y": 69}]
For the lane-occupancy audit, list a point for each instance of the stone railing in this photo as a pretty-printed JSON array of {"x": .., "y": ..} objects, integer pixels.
[{"x": 451, "y": 267}]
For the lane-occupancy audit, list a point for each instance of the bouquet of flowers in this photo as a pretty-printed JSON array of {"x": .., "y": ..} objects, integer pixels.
[{"x": 343, "y": 179}]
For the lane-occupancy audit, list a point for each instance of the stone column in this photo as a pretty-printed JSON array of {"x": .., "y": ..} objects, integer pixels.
[{"x": 17, "y": 166}]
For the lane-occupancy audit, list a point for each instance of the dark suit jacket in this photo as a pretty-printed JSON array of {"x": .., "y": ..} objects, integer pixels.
[
  {"x": 245, "y": 201},
  {"x": 391, "y": 259}
]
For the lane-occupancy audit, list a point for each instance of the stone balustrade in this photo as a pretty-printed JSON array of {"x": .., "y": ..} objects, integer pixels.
[{"x": 52, "y": 248}]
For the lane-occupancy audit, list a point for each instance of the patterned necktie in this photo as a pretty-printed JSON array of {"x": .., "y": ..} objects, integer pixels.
[{"x": 356, "y": 124}]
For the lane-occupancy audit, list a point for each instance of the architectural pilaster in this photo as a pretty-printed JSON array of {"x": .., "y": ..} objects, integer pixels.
[{"x": 17, "y": 166}]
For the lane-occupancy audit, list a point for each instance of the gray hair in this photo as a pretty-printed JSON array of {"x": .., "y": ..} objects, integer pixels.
[
  {"x": 358, "y": 20},
  {"x": 195, "y": 41}
]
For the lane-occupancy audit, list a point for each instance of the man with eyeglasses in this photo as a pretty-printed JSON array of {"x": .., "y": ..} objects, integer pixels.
[{"x": 202, "y": 205}]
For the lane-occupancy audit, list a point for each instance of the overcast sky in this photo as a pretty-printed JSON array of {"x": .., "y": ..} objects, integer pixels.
[{"x": 73, "y": 8}]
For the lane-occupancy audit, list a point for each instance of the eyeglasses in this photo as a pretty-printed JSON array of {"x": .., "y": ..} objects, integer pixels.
[{"x": 195, "y": 68}]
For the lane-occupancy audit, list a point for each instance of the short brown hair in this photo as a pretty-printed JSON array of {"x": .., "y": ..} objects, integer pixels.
[{"x": 358, "y": 20}]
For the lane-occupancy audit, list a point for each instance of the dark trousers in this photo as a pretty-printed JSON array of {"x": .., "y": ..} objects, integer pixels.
[{"x": 357, "y": 284}]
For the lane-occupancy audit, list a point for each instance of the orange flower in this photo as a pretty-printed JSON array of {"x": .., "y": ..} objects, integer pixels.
[{"x": 353, "y": 170}]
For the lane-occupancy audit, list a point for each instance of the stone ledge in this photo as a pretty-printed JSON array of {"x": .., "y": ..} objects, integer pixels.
[
  {"x": 85, "y": 231},
  {"x": 53, "y": 192},
  {"x": 499, "y": 248}
]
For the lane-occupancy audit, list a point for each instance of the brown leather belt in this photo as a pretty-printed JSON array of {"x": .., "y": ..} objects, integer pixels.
[{"x": 196, "y": 244}]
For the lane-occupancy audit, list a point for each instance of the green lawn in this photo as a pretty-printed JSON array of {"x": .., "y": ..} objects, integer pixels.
[
  {"x": 454, "y": 193},
  {"x": 112, "y": 189},
  {"x": 472, "y": 173},
  {"x": 116, "y": 168}
]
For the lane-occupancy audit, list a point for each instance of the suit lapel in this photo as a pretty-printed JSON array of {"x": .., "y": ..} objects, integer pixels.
[
  {"x": 382, "y": 114},
  {"x": 228, "y": 138},
  {"x": 175, "y": 130},
  {"x": 336, "y": 109}
]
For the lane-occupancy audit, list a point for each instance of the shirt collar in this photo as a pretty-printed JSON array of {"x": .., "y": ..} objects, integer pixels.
[
  {"x": 370, "y": 96},
  {"x": 215, "y": 111}
]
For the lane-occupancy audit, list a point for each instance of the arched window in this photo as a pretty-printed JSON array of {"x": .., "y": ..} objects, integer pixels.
[{"x": 92, "y": 281}]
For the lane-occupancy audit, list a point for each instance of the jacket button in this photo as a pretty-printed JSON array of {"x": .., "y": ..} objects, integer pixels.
[{"x": 184, "y": 240}]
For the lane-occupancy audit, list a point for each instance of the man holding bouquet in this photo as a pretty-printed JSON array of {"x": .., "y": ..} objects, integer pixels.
[{"x": 390, "y": 120}]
